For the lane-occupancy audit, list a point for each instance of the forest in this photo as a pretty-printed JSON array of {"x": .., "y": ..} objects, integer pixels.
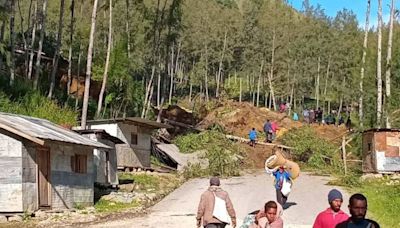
[{"x": 78, "y": 60}]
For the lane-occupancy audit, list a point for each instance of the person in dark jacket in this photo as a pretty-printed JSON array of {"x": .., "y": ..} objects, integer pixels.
[
  {"x": 268, "y": 131},
  {"x": 358, "y": 210}
]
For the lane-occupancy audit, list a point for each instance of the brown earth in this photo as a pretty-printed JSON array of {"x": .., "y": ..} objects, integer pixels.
[{"x": 238, "y": 118}]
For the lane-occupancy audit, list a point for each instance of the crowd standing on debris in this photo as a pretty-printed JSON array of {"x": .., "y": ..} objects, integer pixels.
[{"x": 216, "y": 210}]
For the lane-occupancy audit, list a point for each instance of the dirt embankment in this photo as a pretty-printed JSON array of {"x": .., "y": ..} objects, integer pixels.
[{"x": 239, "y": 118}]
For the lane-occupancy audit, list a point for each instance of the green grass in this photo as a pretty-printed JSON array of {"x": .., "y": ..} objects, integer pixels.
[
  {"x": 108, "y": 206},
  {"x": 383, "y": 201},
  {"x": 144, "y": 181}
]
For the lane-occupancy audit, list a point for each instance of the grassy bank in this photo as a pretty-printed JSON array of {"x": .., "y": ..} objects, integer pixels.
[{"x": 383, "y": 201}]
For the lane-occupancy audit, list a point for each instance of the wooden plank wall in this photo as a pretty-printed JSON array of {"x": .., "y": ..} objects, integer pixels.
[{"x": 11, "y": 174}]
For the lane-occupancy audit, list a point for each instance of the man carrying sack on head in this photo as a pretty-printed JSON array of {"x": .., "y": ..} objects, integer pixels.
[{"x": 215, "y": 207}]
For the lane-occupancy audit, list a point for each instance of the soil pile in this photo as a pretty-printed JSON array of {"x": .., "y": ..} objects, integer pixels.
[{"x": 238, "y": 118}]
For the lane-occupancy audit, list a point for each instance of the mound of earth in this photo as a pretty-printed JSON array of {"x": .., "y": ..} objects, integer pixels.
[{"x": 238, "y": 118}]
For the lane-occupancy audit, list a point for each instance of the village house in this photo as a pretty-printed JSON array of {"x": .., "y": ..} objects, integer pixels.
[
  {"x": 381, "y": 150},
  {"x": 44, "y": 166},
  {"x": 105, "y": 160},
  {"x": 136, "y": 134}
]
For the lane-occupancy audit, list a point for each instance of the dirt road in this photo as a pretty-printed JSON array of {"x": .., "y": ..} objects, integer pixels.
[{"x": 248, "y": 193}]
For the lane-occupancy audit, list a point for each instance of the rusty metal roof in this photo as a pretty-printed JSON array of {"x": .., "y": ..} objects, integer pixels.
[
  {"x": 382, "y": 130},
  {"x": 41, "y": 130},
  {"x": 132, "y": 120}
]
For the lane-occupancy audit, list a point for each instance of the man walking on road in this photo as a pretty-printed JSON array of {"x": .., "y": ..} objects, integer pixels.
[
  {"x": 358, "y": 210},
  {"x": 333, "y": 215},
  {"x": 206, "y": 206}
]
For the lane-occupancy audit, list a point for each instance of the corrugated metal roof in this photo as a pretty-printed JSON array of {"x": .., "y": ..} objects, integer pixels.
[
  {"x": 30, "y": 127},
  {"x": 382, "y": 130},
  {"x": 135, "y": 120}
]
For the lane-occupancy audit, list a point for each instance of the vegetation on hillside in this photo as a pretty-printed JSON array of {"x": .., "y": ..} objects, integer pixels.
[
  {"x": 263, "y": 52},
  {"x": 224, "y": 156}
]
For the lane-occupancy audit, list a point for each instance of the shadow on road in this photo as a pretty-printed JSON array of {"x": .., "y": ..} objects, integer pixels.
[{"x": 288, "y": 204}]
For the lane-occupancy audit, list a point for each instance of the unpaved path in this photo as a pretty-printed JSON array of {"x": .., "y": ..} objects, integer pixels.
[{"x": 248, "y": 193}]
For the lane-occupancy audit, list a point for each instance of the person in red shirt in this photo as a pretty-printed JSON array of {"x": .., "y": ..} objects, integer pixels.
[{"x": 332, "y": 216}]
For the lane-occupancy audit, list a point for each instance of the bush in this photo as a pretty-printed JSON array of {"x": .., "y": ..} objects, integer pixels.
[
  {"x": 223, "y": 155},
  {"x": 316, "y": 152},
  {"x": 33, "y": 104}
]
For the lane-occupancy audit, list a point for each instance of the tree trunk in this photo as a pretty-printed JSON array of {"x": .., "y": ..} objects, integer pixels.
[
  {"x": 206, "y": 77},
  {"x": 365, "y": 46},
  {"x": 158, "y": 89},
  {"x": 33, "y": 37},
  {"x": 379, "y": 67},
  {"x": 149, "y": 101},
  {"x": 240, "y": 89},
  {"x": 57, "y": 51},
  {"x": 317, "y": 82},
  {"x": 171, "y": 83},
  {"x": 71, "y": 35},
  {"x": 271, "y": 73},
  {"x": 39, "y": 52},
  {"x": 220, "y": 67},
  {"x": 341, "y": 98},
  {"x": 326, "y": 81},
  {"x": 190, "y": 91},
  {"x": 78, "y": 78},
  {"x": 105, "y": 76},
  {"x": 149, "y": 86},
  {"x": 389, "y": 65},
  {"x": 24, "y": 38},
  {"x": 12, "y": 39},
  {"x": 89, "y": 66},
  {"x": 259, "y": 82},
  {"x": 128, "y": 31},
  {"x": 2, "y": 32}
]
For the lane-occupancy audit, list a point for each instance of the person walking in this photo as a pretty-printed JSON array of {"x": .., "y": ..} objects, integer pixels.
[
  {"x": 253, "y": 137},
  {"x": 358, "y": 209},
  {"x": 295, "y": 116},
  {"x": 268, "y": 131},
  {"x": 269, "y": 217},
  {"x": 275, "y": 128},
  {"x": 205, "y": 212},
  {"x": 333, "y": 215},
  {"x": 281, "y": 176},
  {"x": 306, "y": 115}
]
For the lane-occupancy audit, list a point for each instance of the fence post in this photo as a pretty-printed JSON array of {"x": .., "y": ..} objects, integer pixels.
[{"x": 344, "y": 154}]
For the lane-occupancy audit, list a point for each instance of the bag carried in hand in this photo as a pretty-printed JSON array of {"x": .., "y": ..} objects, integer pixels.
[
  {"x": 286, "y": 187},
  {"x": 220, "y": 212}
]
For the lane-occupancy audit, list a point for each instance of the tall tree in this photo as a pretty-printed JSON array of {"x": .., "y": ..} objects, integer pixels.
[
  {"x": 39, "y": 52},
  {"x": 365, "y": 46},
  {"x": 12, "y": 39},
  {"x": 89, "y": 66},
  {"x": 33, "y": 38},
  {"x": 379, "y": 67},
  {"x": 105, "y": 76},
  {"x": 389, "y": 65},
  {"x": 71, "y": 38},
  {"x": 57, "y": 51}
]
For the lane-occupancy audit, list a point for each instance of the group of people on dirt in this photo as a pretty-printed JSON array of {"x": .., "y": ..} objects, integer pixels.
[
  {"x": 270, "y": 129},
  {"x": 317, "y": 116},
  {"x": 216, "y": 210}
]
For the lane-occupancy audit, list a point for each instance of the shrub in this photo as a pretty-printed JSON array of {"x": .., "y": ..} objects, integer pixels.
[
  {"x": 224, "y": 156},
  {"x": 316, "y": 152}
]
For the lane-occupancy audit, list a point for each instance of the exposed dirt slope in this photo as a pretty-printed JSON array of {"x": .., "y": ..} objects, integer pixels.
[{"x": 238, "y": 118}]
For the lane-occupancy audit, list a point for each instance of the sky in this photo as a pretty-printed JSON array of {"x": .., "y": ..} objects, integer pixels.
[{"x": 359, "y": 7}]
